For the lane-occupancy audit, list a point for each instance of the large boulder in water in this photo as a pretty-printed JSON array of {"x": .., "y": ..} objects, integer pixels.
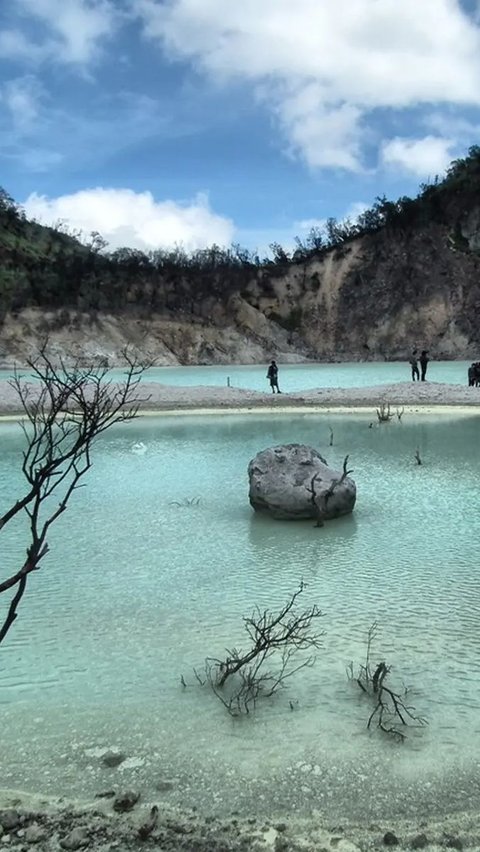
[{"x": 280, "y": 479}]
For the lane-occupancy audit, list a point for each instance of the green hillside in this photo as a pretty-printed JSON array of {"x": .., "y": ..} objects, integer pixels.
[{"x": 47, "y": 268}]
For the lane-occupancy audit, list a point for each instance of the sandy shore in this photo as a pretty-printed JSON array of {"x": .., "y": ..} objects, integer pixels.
[{"x": 412, "y": 396}]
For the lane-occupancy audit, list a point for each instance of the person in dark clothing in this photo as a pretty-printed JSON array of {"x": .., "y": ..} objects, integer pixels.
[
  {"x": 272, "y": 376},
  {"x": 414, "y": 365},
  {"x": 424, "y": 359},
  {"x": 474, "y": 374}
]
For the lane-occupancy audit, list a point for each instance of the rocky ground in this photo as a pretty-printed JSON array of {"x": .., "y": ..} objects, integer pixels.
[{"x": 121, "y": 821}]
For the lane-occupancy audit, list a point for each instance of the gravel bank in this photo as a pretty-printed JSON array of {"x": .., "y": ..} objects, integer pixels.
[{"x": 30, "y": 822}]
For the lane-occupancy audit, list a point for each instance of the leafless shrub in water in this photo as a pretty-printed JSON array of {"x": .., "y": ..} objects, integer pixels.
[
  {"x": 391, "y": 712},
  {"x": 274, "y": 656},
  {"x": 384, "y": 413}
]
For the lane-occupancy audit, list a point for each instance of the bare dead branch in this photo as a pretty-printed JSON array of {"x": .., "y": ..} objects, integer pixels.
[
  {"x": 275, "y": 655},
  {"x": 390, "y": 710},
  {"x": 320, "y": 502},
  {"x": 201, "y": 682},
  {"x": 66, "y": 409},
  {"x": 384, "y": 414},
  {"x": 145, "y": 829},
  {"x": 313, "y": 499},
  {"x": 418, "y": 458}
]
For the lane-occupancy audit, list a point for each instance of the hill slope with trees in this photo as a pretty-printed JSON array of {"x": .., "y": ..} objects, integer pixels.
[{"x": 404, "y": 273}]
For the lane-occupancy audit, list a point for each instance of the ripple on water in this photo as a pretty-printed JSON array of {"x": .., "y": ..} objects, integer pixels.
[{"x": 137, "y": 590}]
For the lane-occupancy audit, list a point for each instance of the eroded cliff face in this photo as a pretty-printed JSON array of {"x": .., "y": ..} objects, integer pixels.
[
  {"x": 373, "y": 298},
  {"x": 379, "y": 296},
  {"x": 169, "y": 341}
]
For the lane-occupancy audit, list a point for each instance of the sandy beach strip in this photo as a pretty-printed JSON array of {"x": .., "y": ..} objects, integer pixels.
[{"x": 425, "y": 397}]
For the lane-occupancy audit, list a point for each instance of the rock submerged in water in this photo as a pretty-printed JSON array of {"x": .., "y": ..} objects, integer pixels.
[
  {"x": 9, "y": 819},
  {"x": 125, "y": 801},
  {"x": 112, "y": 759},
  {"x": 281, "y": 476}
]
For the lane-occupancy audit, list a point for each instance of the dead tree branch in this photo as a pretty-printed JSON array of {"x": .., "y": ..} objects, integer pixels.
[
  {"x": 418, "y": 458},
  {"x": 66, "y": 408},
  {"x": 277, "y": 641},
  {"x": 145, "y": 829},
  {"x": 400, "y": 412},
  {"x": 314, "y": 501},
  {"x": 331, "y": 437},
  {"x": 320, "y": 502},
  {"x": 390, "y": 711},
  {"x": 384, "y": 414}
]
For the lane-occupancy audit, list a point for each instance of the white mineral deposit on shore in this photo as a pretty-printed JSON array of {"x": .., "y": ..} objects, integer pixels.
[{"x": 162, "y": 398}]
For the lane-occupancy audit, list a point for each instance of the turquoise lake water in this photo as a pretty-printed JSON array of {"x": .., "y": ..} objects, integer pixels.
[
  {"x": 137, "y": 591},
  {"x": 298, "y": 377}
]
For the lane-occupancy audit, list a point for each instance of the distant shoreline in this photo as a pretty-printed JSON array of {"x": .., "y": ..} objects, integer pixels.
[{"x": 158, "y": 399}]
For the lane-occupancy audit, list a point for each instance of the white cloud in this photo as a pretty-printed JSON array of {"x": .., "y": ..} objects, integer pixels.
[
  {"x": 425, "y": 157},
  {"x": 355, "y": 209},
  {"x": 137, "y": 220},
  {"x": 89, "y": 134},
  {"x": 308, "y": 224},
  {"x": 73, "y": 30},
  {"x": 324, "y": 135},
  {"x": 15, "y": 45},
  {"x": 22, "y": 96},
  {"x": 453, "y": 126},
  {"x": 323, "y": 65}
]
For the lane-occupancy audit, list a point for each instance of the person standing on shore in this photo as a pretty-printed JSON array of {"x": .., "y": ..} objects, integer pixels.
[
  {"x": 413, "y": 361},
  {"x": 424, "y": 359},
  {"x": 272, "y": 376}
]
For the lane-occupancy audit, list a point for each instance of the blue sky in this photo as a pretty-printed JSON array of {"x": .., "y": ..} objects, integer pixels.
[{"x": 197, "y": 121}]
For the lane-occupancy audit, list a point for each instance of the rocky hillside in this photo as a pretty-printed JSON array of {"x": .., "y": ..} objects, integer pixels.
[{"x": 405, "y": 274}]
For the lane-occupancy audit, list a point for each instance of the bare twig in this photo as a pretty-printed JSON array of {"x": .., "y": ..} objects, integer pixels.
[
  {"x": 146, "y": 828},
  {"x": 331, "y": 437},
  {"x": 201, "y": 682},
  {"x": 313, "y": 499},
  {"x": 66, "y": 409},
  {"x": 384, "y": 414},
  {"x": 320, "y": 502},
  {"x": 418, "y": 457},
  {"x": 390, "y": 710},
  {"x": 400, "y": 412},
  {"x": 242, "y": 677}
]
